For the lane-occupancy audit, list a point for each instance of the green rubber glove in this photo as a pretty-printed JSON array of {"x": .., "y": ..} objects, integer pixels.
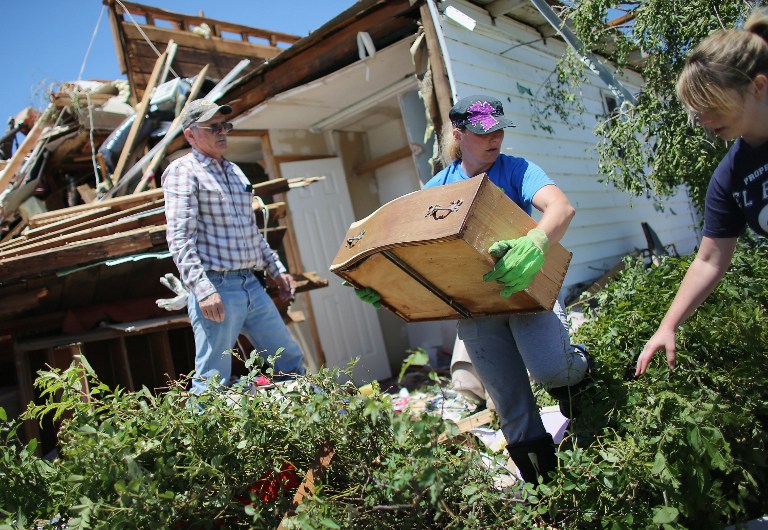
[
  {"x": 519, "y": 261},
  {"x": 366, "y": 294}
]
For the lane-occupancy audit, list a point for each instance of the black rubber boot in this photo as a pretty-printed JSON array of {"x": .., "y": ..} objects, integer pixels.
[
  {"x": 567, "y": 396},
  {"x": 535, "y": 458}
]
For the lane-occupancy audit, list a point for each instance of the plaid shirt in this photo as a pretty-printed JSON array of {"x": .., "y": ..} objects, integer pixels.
[{"x": 210, "y": 221}]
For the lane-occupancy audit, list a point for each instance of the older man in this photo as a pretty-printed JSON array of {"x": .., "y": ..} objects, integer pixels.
[{"x": 215, "y": 242}]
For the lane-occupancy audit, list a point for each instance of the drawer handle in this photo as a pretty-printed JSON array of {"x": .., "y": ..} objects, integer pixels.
[
  {"x": 352, "y": 240},
  {"x": 453, "y": 207}
]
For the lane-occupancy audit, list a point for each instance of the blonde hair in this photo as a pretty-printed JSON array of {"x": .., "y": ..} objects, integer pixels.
[
  {"x": 450, "y": 151},
  {"x": 722, "y": 66}
]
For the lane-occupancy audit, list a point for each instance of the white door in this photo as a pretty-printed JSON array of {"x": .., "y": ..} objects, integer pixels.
[{"x": 321, "y": 214}]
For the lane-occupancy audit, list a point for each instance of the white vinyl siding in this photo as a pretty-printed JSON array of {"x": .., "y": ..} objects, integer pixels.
[{"x": 498, "y": 59}]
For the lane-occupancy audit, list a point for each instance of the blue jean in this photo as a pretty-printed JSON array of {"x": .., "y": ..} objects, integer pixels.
[
  {"x": 248, "y": 310},
  {"x": 503, "y": 350}
]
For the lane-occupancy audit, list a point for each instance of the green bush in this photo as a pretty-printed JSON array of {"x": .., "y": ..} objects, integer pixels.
[
  {"x": 136, "y": 460},
  {"x": 671, "y": 449}
]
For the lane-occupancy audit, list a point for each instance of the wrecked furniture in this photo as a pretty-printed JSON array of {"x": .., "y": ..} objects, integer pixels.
[{"x": 425, "y": 253}]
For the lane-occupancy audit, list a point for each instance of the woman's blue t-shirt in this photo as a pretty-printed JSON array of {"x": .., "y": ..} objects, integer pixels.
[{"x": 519, "y": 178}]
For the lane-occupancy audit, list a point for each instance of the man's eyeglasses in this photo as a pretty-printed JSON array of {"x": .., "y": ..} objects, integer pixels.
[{"x": 224, "y": 127}]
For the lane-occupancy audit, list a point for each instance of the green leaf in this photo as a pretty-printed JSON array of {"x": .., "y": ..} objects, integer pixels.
[
  {"x": 665, "y": 514},
  {"x": 418, "y": 357},
  {"x": 659, "y": 463}
]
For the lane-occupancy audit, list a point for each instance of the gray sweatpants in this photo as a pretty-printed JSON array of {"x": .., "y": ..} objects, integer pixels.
[{"x": 504, "y": 350}]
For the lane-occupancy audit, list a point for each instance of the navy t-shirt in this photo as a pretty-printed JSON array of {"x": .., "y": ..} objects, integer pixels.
[
  {"x": 519, "y": 178},
  {"x": 737, "y": 195}
]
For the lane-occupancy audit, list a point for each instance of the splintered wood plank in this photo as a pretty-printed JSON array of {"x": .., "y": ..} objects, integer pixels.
[
  {"x": 149, "y": 171},
  {"x": 84, "y": 252},
  {"x": 141, "y": 112},
  {"x": 24, "y": 149},
  {"x": 114, "y": 204},
  {"x": 146, "y": 219},
  {"x": 316, "y": 473},
  {"x": 484, "y": 417},
  {"x": 87, "y": 221}
]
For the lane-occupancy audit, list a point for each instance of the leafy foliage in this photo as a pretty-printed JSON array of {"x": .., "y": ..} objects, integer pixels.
[
  {"x": 676, "y": 449},
  {"x": 232, "y": 459},
  {"x": 672, "y": 449},
  {"x": 655, "y": 133}
]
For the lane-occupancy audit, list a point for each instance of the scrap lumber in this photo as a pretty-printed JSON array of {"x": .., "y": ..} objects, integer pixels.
[
  {"x": 30, "y": 141},
  {"x": 65, "y": 227},
  {"x": 173, "y": 130},
  {"x": 315, "y": 473},
  {"x": 124, "y": 244},
  {"x": 88, "y": 251},
  {"x": 114, "y": 204},
  {"x": 145, "y": 219},
  {"x": 483, "y": 417},
  {"x": 18, "y": 303},
  {"x": 214, "y": 95},
  {"x": 141, "y": 112}
]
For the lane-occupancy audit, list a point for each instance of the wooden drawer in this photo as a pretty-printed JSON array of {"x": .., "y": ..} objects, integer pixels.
[{"x": 426, "y": 254}]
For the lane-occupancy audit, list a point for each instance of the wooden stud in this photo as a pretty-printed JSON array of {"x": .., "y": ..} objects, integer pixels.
[
  {"x": 24, "y": 379},
  {"x": 30, "y": 141},
  {"x": 483, "y": 417},
  {"x": 160, "y": 347},
  {"x": 119, "y": 353},
  {"x": 149, "y": 172},
  {"x": 141, "y": 112},
  {"x": 307, "y": 487},
  {"x": 380, "y": 161}
]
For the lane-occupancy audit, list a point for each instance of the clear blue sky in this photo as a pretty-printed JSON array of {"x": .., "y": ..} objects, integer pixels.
[{"x": 45, "y": 42}]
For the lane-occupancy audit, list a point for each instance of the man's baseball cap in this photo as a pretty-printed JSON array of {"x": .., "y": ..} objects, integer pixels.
[
  {"x": 202, "y": 110},
  {"x": 479, "y": 114}
]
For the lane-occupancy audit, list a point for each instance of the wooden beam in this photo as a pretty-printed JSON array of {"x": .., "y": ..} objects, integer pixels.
[
  {"x": 149, "y": 172},
  {"x": 83, "y": 253},
  {"x": 119, "y": 354},
  {"x": 499, "y": 8},
  {"x": 105, "y": 333},
  {"x": 483, "y": 417},
  {"x": 213, "y": 46},
  {"x": 315, "y": 473},
  {"x": 145, "y": 219},
  {"x": 141, "y": 113},
  {"x": 51, "y": 231},
  {"x": 171, "y": 49},
  {"x": 24, "y": 379},
  {"x": 437, "y": 65},
  {"x": 114, "y": 203},
  {"x": 160, "y": 348},
  {"x": 293, "y": 254},
  {"x": 380, "y": 161},
  {"x": 24, "y": 149},
  {"x": 312, "y": 58}
]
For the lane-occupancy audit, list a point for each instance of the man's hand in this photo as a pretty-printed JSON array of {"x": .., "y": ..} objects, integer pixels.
[
  {"x": 212, "y": 307},
  {"x": 286, "y": 288},
  {"x": 519, "y": 261}
]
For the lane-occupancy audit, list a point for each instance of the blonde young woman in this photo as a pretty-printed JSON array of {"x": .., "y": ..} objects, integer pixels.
[{"x": 724, "y": 84}]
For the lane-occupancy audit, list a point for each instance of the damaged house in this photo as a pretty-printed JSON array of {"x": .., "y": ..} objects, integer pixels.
[{"x": 329, "y": 128}]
